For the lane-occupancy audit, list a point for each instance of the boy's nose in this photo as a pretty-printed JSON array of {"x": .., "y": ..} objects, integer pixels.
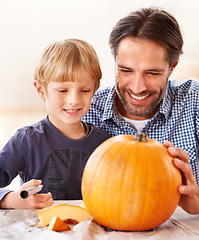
[{"x": 73, "y": 98}]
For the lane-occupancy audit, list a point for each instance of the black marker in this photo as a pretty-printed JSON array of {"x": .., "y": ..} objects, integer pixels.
[{"x": 30, "y": 191}]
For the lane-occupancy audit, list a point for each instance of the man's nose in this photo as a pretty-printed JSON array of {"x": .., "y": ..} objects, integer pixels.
[{"x": 138, "y": 83}]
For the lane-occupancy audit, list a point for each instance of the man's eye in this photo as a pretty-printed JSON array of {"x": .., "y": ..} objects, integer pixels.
[
  {"x": 125, "y": 70},
  {"x": 154, "y": 73}
]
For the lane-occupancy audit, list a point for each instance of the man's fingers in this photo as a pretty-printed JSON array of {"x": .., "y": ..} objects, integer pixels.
[
  {"x": 186, "y": 170},
  {"x": 188, "y": 189},
  {"x": 168, "y": 144},
  {"x": 180, "y": 154}
]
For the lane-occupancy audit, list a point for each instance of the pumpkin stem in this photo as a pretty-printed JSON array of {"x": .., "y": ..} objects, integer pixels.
[{"x": 140, "y": 136}]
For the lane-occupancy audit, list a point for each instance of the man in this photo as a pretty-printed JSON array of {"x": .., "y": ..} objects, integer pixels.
[{"x": 146, "y": 46}]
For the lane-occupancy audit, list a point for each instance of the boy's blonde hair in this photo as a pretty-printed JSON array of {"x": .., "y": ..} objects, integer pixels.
[{"x": 62, "y": 60}]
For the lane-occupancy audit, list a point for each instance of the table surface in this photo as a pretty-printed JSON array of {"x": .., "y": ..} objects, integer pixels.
[{"x": 24, "y": 224}]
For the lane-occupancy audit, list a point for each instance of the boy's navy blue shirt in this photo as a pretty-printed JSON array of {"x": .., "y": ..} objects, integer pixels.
[
  {"x": 41, "y": 151},
  {"x": 177, "y": 119}
]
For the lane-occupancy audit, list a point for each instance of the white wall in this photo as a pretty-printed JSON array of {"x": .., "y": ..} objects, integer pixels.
[{"x": 27, "y": 26}]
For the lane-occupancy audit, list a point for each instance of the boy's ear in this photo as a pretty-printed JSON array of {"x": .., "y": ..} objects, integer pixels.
[{"x": 40, "y": 90}]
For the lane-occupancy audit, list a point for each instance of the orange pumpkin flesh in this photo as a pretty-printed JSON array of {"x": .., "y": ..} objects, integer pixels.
[{"x": 130, "y": 185}]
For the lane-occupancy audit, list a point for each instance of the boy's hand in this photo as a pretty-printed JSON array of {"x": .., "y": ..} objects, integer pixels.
[
  {"x": 189, "y": 189},
  {"x": 36, "y": 201}
]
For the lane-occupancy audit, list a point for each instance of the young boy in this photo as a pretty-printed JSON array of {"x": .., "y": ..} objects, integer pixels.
[{"x": 56, "y": 149}]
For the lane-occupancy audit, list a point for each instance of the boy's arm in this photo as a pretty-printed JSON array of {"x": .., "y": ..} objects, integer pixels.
[
  {"x": 3, "y": 193},
  {"x": 12, "y": 159},
  {"x": 13, "y": 200}
]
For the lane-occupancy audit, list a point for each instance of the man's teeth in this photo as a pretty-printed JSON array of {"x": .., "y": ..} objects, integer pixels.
[
  {"x": 71, "y": 110},
  {"x": 139, "y": 98}
]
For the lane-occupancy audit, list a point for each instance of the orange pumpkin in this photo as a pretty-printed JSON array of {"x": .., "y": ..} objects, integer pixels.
[{"x": 131, "y": 184}]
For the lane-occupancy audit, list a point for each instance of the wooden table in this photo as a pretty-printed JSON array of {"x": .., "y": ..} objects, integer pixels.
[{"x": 24, "y": 224}]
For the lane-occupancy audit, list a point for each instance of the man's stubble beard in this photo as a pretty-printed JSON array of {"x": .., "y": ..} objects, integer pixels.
[{"x": 135, "y": 110}]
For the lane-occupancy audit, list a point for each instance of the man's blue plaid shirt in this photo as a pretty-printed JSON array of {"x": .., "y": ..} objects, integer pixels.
[{"x": 177, "y": 119}]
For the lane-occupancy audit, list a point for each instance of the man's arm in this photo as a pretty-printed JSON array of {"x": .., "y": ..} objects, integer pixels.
[{"x": 189, "y": 189}]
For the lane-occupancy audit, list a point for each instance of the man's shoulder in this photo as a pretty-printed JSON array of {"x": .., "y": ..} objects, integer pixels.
[
  {"x": 101, "y": 100},
  {"x": 188, "y": 84},
  {"x": 183, "y": 88},
  {"x": 185, "y": 93},
  {"x": 102, "y": 93}
]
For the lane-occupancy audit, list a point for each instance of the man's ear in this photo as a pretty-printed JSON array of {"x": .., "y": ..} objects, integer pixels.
[
  {"x": 174, "y": 66},
  {"x": 40, "y": 90}
]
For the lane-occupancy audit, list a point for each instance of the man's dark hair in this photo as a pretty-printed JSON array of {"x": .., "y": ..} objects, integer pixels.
[{"x": 152, "y": 24}]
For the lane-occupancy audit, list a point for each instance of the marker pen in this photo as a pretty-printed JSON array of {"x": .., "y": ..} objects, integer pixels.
[{"x": 30, "y": 191}]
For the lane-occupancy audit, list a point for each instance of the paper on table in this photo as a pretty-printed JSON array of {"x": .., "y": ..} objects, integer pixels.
[
  {"x": 90, "y": 230},
  {"x": 186, "y": 221},
  {"x": 24, "y": 224}
]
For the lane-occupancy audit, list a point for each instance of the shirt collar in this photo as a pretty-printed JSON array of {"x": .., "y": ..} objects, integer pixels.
[{"x": 166, "y": 105}]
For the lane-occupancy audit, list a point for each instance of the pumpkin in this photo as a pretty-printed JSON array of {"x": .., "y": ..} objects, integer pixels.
[{"x": 130, "y": 183}]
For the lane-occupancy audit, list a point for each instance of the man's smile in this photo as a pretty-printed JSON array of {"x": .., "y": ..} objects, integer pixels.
[{"x": 139, "y": 97}]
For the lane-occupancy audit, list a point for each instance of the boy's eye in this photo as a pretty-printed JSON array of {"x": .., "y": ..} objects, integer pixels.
[
  {"x": 62, "y": 90},
  {"x": 85, "y": 90}
]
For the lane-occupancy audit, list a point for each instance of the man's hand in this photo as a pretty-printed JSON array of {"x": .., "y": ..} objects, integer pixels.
[
  {"x": 189, "y": 189},
  {"x": 13, "y": 200}
]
